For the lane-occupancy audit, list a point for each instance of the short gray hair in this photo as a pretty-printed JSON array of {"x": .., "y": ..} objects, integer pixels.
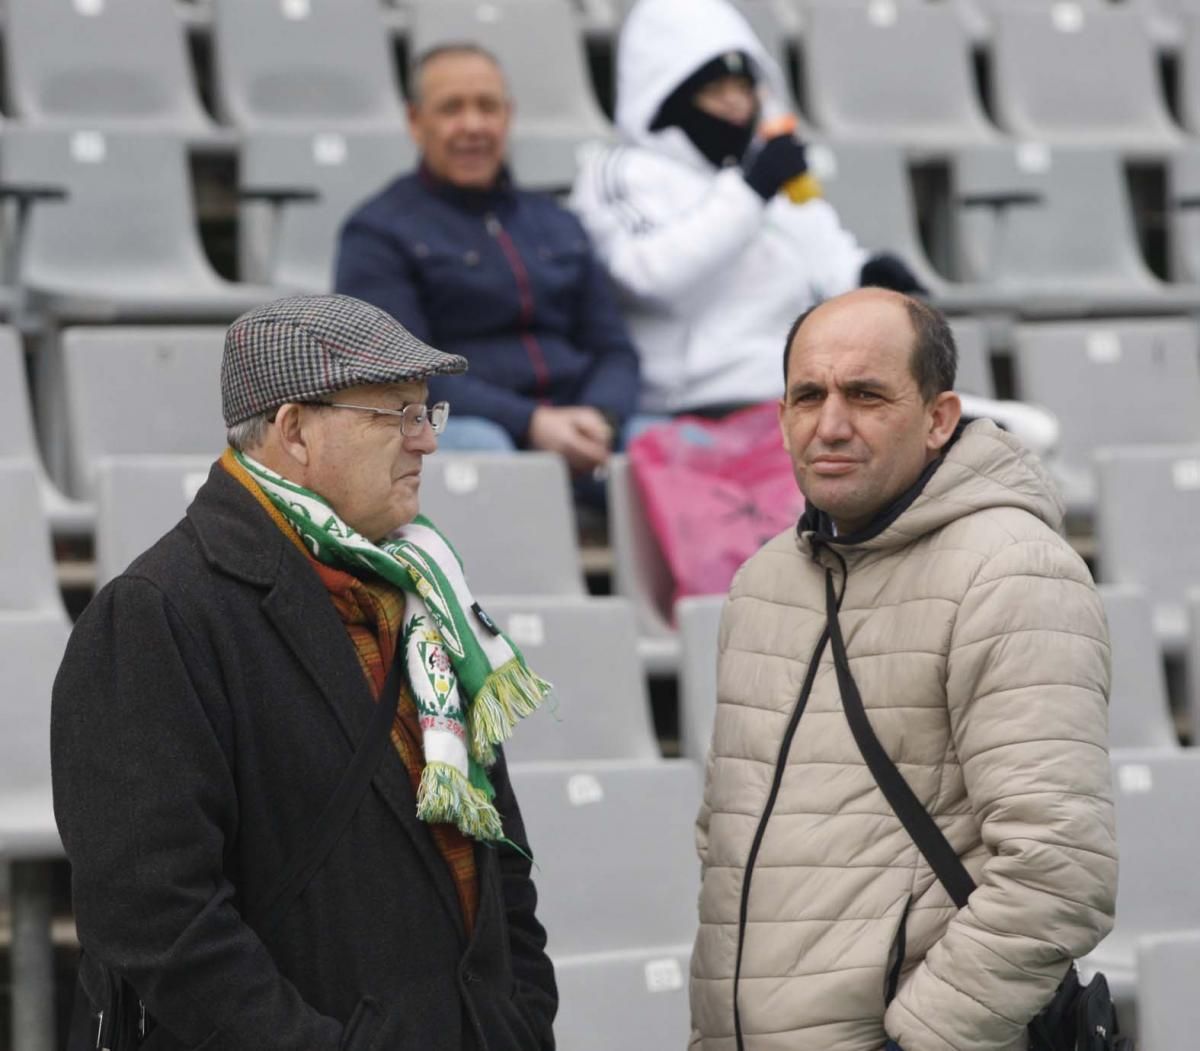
[
  {"x": 430, "y": 55},
  {"x": 251, "y": 432}
]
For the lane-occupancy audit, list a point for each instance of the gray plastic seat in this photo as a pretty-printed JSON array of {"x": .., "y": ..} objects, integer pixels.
[
  {"x": 540, "y": 48},
  {"x": 511, "y": 518},
  {"x": 342, "y": 169},
  {"x": 1139, "y": 711},
  {"x": 28, "y": 584},
  {"x": 1052, "y": 76},
  {"x": 1064, "y": 245},
  {"x": 131, "y": 391},
  {"x": 1146, "y": 515},
  {"x": 640, "y": 571},
  {"x": 974, "y": 374},
  {"x": 1155, "y": 794},
  {"x": 305, "y": 65},
  {"x": 104, "y": 62},
  {"x": 1168, "y": 967},
  {"x": 139, "y": 499},
  {"x": 587, "y": 648},
  {"x": 616, "y": 861},
  {"x": 1090, "y": 375},
  {"x": 1193, "y": 664},
  {"x": 891, "y": 72},
  {"x": 623, "y": 1000},
  {"x": 699, "y": 620},
  {"x": 123, "y": 245},
  {"x": 1183, "y": 209}
]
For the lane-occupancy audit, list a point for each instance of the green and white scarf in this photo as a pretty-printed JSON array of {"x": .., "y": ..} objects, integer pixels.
[{"x": 470, "y": 683}]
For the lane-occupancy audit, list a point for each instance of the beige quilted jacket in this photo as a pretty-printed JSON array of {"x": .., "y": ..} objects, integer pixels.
[{"x": 980, "y": 649}]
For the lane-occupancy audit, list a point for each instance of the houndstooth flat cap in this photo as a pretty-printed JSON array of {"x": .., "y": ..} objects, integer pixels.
[{"x": 305, "y": 347}]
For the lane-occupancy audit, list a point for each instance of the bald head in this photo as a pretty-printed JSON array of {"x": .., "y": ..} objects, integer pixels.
[{"x": 934, "y": 360}]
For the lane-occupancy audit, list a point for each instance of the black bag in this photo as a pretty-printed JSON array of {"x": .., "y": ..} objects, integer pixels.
[
  {"x": 1079, "y": 1017},
  {"x": 108, "y": 1014}
]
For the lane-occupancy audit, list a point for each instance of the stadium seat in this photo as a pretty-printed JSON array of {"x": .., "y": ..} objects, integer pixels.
[
  {"x": 640, "y": 570},
  {"x": 623, "y": 1000},
  {"x": 1053, "y": 77},
  {"x": 891, "y": 72},
  {"x": 123, "y": 244},
  {"x": 1183, "y": 210},
  {"x": 1155, "y": 794},
  {"x": 556, "y": 111},
  {"x": 146, "y": 390},
  {"x": 699, "y": 619},
  {"x": 613, "y": 844},
  {"x": 1186, "y": 14},
  {"x": 1193, "y": 664},
  {"x": 1054, "y": 230},
  {"x": 113, "y": 63},
  {"x": 974, "y": 374},
  {"x": 139, "y": 499},
  {"x": 511, "y": 518},
  {"x": 1113, "y": 383},
  {"x": 338, "y": 170},
  {"x": 1148, "y": 507},
  {"x": 587, "y": 649},
  {"x": 1168, "y": 968},
  {"x": 1139, "y": 711},
  {"x": 27, "y": 579},
  {"x": 305, "y": 66}
]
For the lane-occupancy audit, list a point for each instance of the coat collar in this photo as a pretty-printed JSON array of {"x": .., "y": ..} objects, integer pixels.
[
  {"x": 469, "y": 200},
  {"x": 238, "y": 538}
]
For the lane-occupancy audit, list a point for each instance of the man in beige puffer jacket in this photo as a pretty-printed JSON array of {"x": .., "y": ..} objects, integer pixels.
[{"x": 979, "y": 646}]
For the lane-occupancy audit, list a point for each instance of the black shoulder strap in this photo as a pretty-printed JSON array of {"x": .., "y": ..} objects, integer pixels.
[
  {"x": 913, "y": 816},
  {"x": 328, "y": 827}
]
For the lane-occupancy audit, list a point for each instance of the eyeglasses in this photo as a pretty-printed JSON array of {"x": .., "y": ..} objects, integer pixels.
[{"x": 413, "y": 416}]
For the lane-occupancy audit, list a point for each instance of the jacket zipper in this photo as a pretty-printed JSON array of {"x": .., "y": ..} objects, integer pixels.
[
  {"x": 780, "y": 764},
  {"x": 525, "y": 296}
]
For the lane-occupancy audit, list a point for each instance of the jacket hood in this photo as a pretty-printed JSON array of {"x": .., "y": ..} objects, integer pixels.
[
  {"x": 984, "y": 468},
  {"x": 663, "y": 42}
]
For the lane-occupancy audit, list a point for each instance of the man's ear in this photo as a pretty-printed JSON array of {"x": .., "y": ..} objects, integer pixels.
[
  {"x": 292, "y": 432},
  {"x": 945, "y": 413}
]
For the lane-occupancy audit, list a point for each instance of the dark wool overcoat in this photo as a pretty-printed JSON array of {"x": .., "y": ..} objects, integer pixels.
[{"x": 208, "y": 704}]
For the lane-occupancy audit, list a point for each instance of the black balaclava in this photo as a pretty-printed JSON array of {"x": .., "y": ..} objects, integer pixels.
[{"x": 720, "y": 141}]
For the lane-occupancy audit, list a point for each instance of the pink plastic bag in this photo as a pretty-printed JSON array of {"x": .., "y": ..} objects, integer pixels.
[{"x": 715, "y": 491}]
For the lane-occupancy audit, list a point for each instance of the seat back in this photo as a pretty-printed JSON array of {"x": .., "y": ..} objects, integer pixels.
[
  {"x": 891, "y": 72},
  {"x": 616, "y": 865},
  {"x": 128, "y": 218},
  {"x": 556, "y": 109},
  {"x": 343, "y": 169},
  {"x": 511, "y": 518},
  {"x": 1147, "y": 509},
  {"x": 1089, "y": 375},
  {"x": 28, "y": 583},
  {"x": 1080, "y": 233},
  {"x": 587, "y": 649},
  {"x": 1168, "y": 967},
  {"x": 1139, "y": 711},
  {"x": 1052, "y": 76},
  {"x": 304, "y": 64},
  {"x": 699, "y": 618},
  {"x": 636, "y": 999},
  {"x": 140, "y": 499},
  {"x": 140, "y": 391},
  {"x": 31, "y": 649},
  {"x": 108, "y": 61},
  {"x": 640, "y": 571},
  {"x": 16, "y": 415}
]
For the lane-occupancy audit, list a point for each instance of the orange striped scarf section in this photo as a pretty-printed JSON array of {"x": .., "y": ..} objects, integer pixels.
[{"x": 373, "y": 613}]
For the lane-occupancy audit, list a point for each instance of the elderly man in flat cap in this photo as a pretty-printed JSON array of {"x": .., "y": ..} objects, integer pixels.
[{"x": 276, "y": 737}]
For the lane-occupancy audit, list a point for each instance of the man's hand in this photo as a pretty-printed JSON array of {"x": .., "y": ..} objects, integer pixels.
[{"x": 580, "y": 433}]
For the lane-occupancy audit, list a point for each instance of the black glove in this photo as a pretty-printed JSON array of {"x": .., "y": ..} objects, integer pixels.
[
  {"x": 889, "y": 271},
  {"x": 780, "y": 160}
]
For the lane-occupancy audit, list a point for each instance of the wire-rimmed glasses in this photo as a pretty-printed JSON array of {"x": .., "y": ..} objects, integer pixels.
[{"x": 412, "y": 416}]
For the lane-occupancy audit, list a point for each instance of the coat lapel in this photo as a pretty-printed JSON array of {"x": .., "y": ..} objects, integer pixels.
[{"x": 249, "y": 545}]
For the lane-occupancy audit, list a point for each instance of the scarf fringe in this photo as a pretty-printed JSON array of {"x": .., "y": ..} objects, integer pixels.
[
  {"x": 509, "y": 694},
  {"x": 445, "y": 796}
]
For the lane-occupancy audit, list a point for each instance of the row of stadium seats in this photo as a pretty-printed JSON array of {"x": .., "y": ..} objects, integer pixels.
[
  {"x": 110, "y": 230},
  {"x": 880, "y": 70}
]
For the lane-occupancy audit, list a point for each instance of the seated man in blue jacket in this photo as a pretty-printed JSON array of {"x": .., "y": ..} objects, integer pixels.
[{"x": 504, "y": 277}]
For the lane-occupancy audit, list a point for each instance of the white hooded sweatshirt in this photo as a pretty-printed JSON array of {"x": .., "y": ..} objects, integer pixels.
[{"x": 710, "y": 276}]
